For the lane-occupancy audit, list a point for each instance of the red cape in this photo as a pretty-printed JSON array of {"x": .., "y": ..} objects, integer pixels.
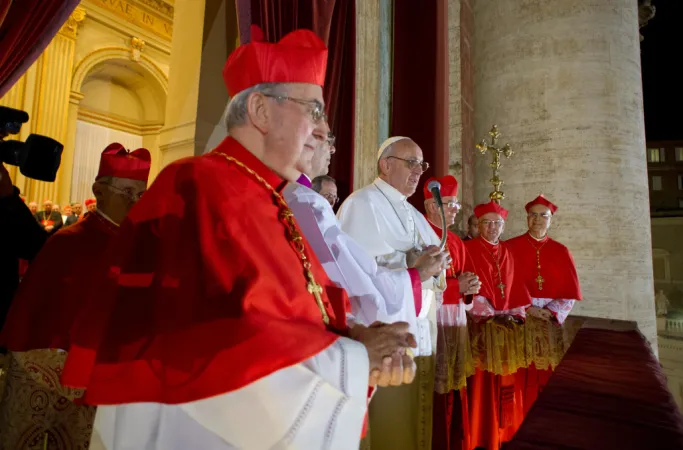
[
  {"x": 204, "y": 294},
  {"x": 557, "y": 267},
  {"x": 516, "y": 294},
  {"x": 51, "y": 292},
  {"x": 461, "y": 263}
]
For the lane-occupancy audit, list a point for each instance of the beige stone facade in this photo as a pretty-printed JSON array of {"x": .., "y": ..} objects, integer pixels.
[{"x": 562, "y": 81}]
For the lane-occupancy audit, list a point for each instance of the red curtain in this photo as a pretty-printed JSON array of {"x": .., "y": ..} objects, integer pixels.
[
  {"x": 334, "y": 21},
  {"x": 413, "y": 106},
  {"x": 28, "y": 28}
]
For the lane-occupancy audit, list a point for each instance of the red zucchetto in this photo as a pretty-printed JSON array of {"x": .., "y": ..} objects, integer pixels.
[
  {"x": 299, "y": 57},
  {"x": 449, "y": 186},
  {"x": 118, "y": 162},
  {"x": 490, "y": 207},
  {"x": 541, "y": 200}
]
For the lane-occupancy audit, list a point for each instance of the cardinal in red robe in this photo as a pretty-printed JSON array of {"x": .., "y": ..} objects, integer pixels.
[
  {"x": 496, "y": 334},
  {"x": 453, "y": 355},
  {"x": 215, "y": 326},
  {"x": 548, "y": 270},
  {"x": 49, "y": 298}
]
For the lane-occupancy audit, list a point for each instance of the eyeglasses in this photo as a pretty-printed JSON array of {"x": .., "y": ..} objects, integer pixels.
[
  {"x": 128, "y": 192},
  {"x": 452, "y": 204},
  {"x": 316, "y": 110},
  {"x": 413, "y": 163},
  {"x": 497, "y": 223},
  {"x": 544, "y": 216},
  {"x": 331, "y": 140},
  {"x": 333, "y": 199}
]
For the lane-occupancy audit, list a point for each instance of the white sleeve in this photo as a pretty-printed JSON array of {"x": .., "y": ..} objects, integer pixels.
[{"x": 319, "y": 403}]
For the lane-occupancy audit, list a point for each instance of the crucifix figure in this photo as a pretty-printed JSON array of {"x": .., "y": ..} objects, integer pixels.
[
  {"x": 540, "y": 281},
  {"x": 497, "y": 195},
  {"x": 501, "y": 286},
  {"x": 315, "y": 289}
]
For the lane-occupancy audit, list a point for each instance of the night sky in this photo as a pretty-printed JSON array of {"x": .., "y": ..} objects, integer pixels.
[{"x": 661, "y": 53}]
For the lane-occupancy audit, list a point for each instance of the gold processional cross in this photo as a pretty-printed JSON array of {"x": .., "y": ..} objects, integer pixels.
[
  {"x": 497, "y": 195},
  {"x": 540, "y": 281}
]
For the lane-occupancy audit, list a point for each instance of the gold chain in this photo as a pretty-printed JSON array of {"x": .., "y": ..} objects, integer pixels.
[
  {"x": 539, "y": 279},
  {"x": 294, "y": 237},
  {"x": 495, "y": 259}
]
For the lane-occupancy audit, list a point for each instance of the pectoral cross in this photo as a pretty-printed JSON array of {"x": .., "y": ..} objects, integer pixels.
[
  {"x": 315, "y": 289},
  {"x": 540, "y": 281},
  {"x": 501, "y": 286}
]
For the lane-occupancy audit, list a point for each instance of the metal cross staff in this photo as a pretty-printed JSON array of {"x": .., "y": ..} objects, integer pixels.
[{"x": 497, "y": 195}]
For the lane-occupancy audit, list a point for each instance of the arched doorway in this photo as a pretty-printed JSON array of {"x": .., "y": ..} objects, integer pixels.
[{"x": 115, "y": 98}]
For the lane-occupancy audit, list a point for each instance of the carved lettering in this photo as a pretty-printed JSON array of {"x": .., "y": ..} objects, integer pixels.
[
  {"x": 129, "y": 9},
  {"x": 168, "y": 28},
  {"x": 147, "y": 19}
]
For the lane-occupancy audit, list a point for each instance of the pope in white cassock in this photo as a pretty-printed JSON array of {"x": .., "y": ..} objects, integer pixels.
[
  {"x": 377, "y": 293},
  {"x": 394, "y": 233}
]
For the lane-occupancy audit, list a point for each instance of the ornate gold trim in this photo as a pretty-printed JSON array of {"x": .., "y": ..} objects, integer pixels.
[
  {"x": 159, "y": 6},
  {"x": 70, "y": 28}
]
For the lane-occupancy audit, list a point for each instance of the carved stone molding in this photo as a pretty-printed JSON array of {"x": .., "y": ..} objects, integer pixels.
[
  {"x": 159, "y": 6},
  {"x": 137, "y": 45},
  {"x": 70, "y": 28}
]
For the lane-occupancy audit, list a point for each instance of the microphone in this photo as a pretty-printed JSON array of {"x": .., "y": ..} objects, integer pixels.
[{"x": 435, "y": 188}]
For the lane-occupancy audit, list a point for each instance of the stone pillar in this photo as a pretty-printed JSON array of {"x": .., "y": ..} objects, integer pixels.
[
  {"x": 66, "y": 169},
  {"x": 374, "y": 25},
  {"x": 150, "y": 141},
  {"x": 51, "y": 105},
  {"x": 562, "y": 81}
]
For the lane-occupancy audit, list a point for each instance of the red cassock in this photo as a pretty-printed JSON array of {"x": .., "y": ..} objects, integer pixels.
[
  {"x": 205, "y": 293},
  {"x": 495, "y": 402},
  {"x": 451, "y": 429},
  {"x": 50, "y": 294},
  {"x": 488, "y": 259},
  {"x": 560, "y": 280}
]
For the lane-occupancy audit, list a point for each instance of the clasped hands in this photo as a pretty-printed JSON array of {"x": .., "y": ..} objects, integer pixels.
[{"x": 388, "y": 346}]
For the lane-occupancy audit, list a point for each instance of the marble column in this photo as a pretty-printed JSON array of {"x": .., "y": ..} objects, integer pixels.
[
  {"x": 50, "y": 108},
  {"x": 562, "y": 80},
  {"x": 66, "y": 169}
]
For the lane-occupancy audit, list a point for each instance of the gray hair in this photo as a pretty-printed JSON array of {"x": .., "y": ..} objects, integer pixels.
[
  {"x": 317, "y": 183},
  {"x": 237, "y": 108}
]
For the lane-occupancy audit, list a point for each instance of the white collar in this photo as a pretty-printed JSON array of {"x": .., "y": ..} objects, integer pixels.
[
  {"x": 391, "y": 192},
  {"x": 483, "y": 239},
  {"x": 536, "y": 239},
  {"x": 106, "y": 217}
]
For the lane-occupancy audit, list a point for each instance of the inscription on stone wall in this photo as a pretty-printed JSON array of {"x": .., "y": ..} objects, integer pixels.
[{"x": 139, "y": 16}]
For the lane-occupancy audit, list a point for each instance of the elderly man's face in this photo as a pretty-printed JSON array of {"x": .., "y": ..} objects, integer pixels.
[
  {"x": 67, "y": 210},
  {"x": 328, "y": 189},
  {"x": 538, "y": 219},
  {"x": 295, "y": 126},
  {"x": 118, "y": 196},
  {"x": 403, "y": 167},
  {"x": 320, "y": 164},
  {"x": 55, "y": 207},
  {"x": 491, "y": 226},
  {"x": 451, "y": 206},
  {"x": 33, "y": 207},
  {"x": 77, "y": 209},
  {"x": 47, "y": 207},
  {"x": 92, "y": 207}
]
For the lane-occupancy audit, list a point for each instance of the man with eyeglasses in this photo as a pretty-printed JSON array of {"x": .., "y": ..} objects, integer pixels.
[
  {"x": 327, "y": 187},
  {"x": 548, "y": 270},
  {"x": 498, "y": 312},
  {"x": 377, "y": 294},
  {"x": 453, "y": 356},
  {"x": 395, "y": 234},
  {"x": 216, "y": 327},
  {"x": 38, "y": 325}
]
